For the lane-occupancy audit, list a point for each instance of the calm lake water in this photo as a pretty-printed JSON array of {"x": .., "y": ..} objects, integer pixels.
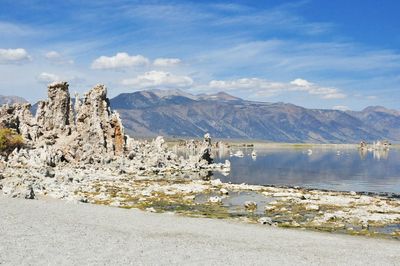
[{"x": 342, "y": 170}]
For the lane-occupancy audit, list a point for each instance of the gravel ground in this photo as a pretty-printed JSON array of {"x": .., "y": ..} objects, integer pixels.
[{"x": 53, "y": 232}]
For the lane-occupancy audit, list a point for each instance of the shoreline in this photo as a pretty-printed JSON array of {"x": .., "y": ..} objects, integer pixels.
[
  {"x": 58, "y": 232},
  {"x": 267, "y": 144},
  {"x": 312, "y": 209},
  {"x": 349, "y": 213}
]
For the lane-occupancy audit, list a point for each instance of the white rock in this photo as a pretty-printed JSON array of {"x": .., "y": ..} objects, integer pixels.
[
  {"x": 312, "y": 207},
  {"x": 269, "y": 208},
  {"x": 265, "y": 220},
  {"x": 151, "y": 209},
  {"x": 215, "y": 199},
  {"x": 216, "y": 182},
  {"x": 223, "y": 191}
]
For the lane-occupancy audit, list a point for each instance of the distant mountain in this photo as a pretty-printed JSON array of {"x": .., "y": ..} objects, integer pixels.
[
  {"x": 11, "y": 100},
  {"x": 176, "y": 113}
]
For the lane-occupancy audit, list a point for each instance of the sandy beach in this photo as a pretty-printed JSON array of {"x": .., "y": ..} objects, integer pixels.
[{"x": 54, "y": 232}]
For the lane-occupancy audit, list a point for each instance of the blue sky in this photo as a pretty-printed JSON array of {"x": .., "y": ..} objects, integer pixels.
[{"x": 318, "y": 54}]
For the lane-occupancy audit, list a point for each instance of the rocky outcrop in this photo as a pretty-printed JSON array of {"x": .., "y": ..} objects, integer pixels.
[{"x": 85, "y": 135}]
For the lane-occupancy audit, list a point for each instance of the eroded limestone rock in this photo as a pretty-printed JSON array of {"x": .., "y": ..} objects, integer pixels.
[{"x": 88, "y": 135}]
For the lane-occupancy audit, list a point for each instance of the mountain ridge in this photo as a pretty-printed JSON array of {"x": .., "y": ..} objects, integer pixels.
[
  {"x": 176, "y": 113},
  {"x": 226, "y": 116}
]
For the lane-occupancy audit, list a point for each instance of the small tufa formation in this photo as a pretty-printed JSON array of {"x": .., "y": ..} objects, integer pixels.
[{"x": 206, "y": 153}]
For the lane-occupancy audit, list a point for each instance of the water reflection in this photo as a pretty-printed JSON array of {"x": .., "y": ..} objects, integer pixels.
[
  {"x": 377, "y": 154},
  {"x": 352, "y": 169}
]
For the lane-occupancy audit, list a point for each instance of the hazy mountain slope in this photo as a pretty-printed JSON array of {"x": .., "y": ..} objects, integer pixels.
[
  {"x": 175, "y": 113},
  {"x": 11, "y": 100}
]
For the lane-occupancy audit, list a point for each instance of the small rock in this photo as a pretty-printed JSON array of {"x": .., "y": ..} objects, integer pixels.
[
  {"x": 83, "y": 199},
  {"x": 215, "y": 199},
  {"x": 30, "y": 194},
  {"x": 223, "y": 191},
  {"x": 49, "y": 172},
  {"x": 265, "y": 220},
  {"x": 190, "y": 197},
  {"x": 146, "y": 193},
  {"x": 269, "y": 208},
  {"x": 216, "y": 182},
  {"x": 151, "y": 209},
  {"x": 364, "y": 224},
  {"x": 312, "y": 207},
  {"x": 295, "y": 224},
  {"x": 115, "y": 204},
  {"x": 250, "y": 205},
  {"x": 353, "y": 193}
]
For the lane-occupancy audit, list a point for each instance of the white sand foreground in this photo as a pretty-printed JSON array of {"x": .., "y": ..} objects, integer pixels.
[{"x": 54, "y": 232}]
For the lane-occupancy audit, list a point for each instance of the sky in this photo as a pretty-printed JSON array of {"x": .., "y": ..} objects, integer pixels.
[{"x": 318, "y": 54}]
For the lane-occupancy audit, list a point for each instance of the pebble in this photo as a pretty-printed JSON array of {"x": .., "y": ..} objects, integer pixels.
[
  {"x": 215, "y": 199},
  {"x": 150, "y": 209},
  {"x": 265, "y": 220},
  {"x": 223, "y": 191},
  {"x": 250, "y": 204},
  {"x": 269, "y": 208},
  {"x": 312, "y": 207}
]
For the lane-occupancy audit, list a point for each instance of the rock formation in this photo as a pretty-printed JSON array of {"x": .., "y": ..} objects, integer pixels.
[
  {"x": 83, "y": 133},
  {"x": 206, "y": 149},
  {"x": 86, "y": 135}
]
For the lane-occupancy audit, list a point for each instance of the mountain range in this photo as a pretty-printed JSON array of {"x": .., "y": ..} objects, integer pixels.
[{"x": 175, "y": 113}]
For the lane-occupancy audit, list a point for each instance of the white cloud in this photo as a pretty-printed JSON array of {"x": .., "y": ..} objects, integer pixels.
[
  {"x": 120, "y": 60},
  {"x": 334, "y": 96},
  {"x": 158, "y": 79},
  {"x": 52, "y": 55},
  {"x": 166, "y": 62},
  {"x": 57, "y": 58},
  {"x": 301, "y": 83},
  {"x": 14, "y": 55},
  {"x": 248, "y": 84},
  {"x": 264, "y": 87},
  {"x": 341, "y": 107},
  {"x": 45, "y": 77},
  {"x": 311, "y": 88}
]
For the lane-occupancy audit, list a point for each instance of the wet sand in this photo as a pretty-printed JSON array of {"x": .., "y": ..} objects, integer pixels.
[{"x": 55, "y": 232}]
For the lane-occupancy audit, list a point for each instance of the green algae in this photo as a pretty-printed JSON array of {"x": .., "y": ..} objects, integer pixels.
[{"x": 288, "y": 213}]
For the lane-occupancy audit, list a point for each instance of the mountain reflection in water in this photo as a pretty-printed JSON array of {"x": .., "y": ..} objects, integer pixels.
[{"x": 343, "y": 170}]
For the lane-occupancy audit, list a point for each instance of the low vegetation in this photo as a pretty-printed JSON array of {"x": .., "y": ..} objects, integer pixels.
[{"x": 9, "y": 140}]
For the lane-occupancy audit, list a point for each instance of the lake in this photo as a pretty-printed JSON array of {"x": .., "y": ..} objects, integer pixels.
[{"x": 332, "y": 169}]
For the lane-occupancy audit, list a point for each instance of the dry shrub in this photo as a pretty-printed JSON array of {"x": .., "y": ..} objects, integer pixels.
[{"x": 9, "y": 140}]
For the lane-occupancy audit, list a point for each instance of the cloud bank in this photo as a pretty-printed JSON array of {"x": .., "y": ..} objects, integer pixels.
[
  {"x": 263, "y": 87},
  {"x": 14, "y": 56},
  {"x": 47, "y": 78},
  {"x": 166, "y": 62},
  {"x": 154, "y": 79},
  {"x": 119, "y": 61}
]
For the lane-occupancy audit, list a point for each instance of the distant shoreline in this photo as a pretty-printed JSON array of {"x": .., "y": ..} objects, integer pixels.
[{"x": 260, "y": 144}]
